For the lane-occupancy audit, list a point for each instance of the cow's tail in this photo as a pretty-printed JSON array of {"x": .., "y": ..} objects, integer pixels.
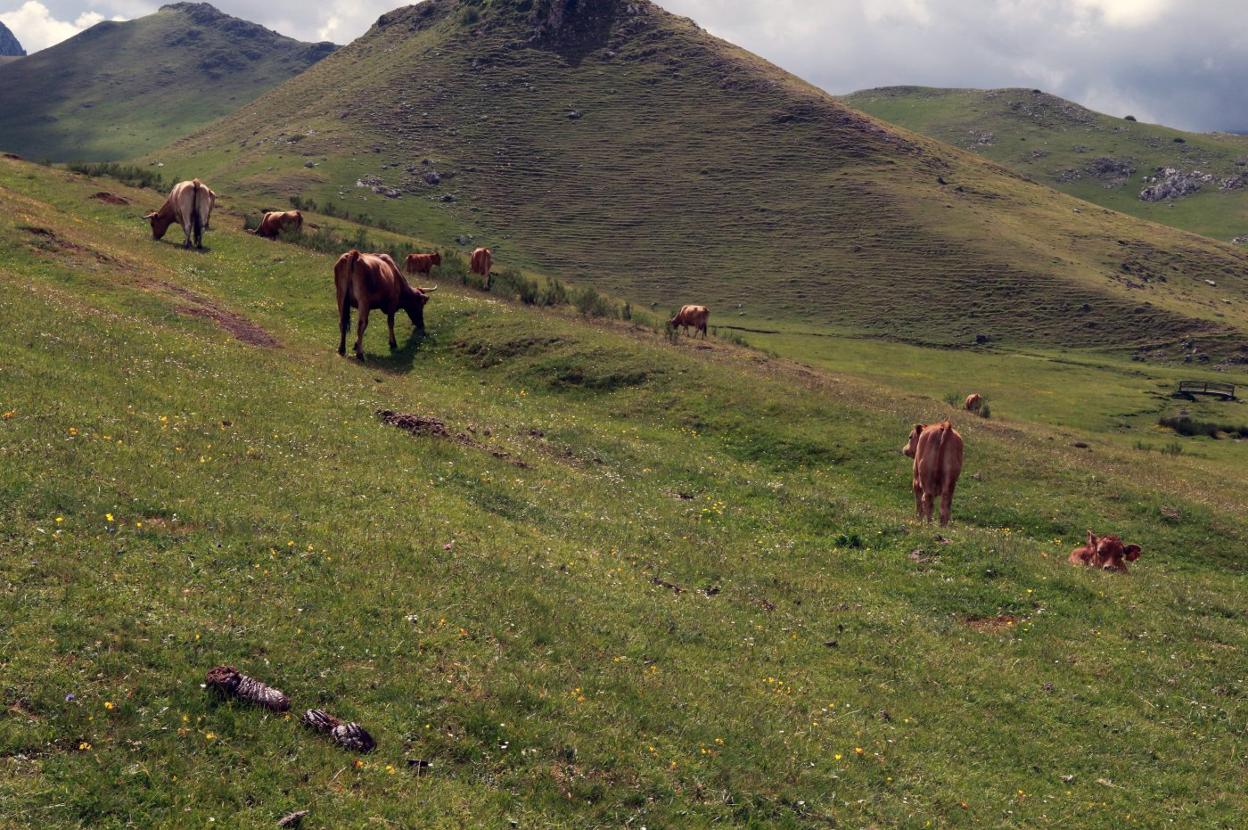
[{"x": 197, "y": 219}]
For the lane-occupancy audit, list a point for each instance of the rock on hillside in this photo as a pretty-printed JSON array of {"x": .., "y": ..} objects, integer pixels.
[{"x": 9, "y": 47}]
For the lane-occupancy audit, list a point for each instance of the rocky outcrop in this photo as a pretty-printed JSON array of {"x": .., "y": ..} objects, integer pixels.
[
  {"x": 9, "y": 47},
  {"x": 1170, "y": 183}
]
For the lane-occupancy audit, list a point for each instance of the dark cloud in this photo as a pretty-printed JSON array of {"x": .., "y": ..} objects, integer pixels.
[{"x": 1173, "y": 61}]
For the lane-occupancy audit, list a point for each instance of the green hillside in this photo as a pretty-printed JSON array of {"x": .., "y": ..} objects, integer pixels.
[
  {"x": 1107, "y": 160},
  {"x": 120, "y": 90},
  {"x": 619, "y": 145},
  {"x": 636, "y": 584}
]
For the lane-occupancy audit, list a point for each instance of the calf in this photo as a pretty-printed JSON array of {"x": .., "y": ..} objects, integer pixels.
[
  {"x": 423, "y": 264},
  {"x": 373, "y": 281},
  {"x": 937, "y": 453},
  {"x": 973, "y": 402},
  {"x": 1105, "y": 552}
]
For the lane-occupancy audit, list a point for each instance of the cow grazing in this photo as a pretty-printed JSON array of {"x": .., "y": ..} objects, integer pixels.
[
  {"x": 1105, "y": 552},
  {"x": 422, "y": 264},
  {"x": 276, "y": 221},
  {"x": 691, "y": 317},
  {"x": 190, "y": 205},
  {"x": 937, "y": 453},
  {"x": 481, "y": 262},
  {"x": 373, "y": 281},
  {"x": 973, "y": 402}
]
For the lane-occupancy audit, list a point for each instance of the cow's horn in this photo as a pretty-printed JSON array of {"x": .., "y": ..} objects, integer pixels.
[{"x": 429, "y": 290}]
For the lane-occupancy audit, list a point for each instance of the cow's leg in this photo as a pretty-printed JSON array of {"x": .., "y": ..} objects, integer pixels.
[
  {"x": 186, "y": 229},
  {"x": 928, "y": 500},
  {"x": 394, "y": 344},
  {"x": 946, "y": 504},
  {"x": 918, "y": 499},
  {"x": 359, "y": 337},
  {"x": 344, "y": 323}
]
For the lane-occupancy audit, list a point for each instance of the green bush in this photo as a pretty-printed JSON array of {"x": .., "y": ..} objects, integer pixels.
[{"x": 124, "y": 173}]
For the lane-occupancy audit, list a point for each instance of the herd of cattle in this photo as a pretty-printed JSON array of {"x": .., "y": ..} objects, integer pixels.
[{"x": 369, "y": 282}]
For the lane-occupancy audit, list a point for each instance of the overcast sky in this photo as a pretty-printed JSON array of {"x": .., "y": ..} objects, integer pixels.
[{"x": 1179, "y": 62}]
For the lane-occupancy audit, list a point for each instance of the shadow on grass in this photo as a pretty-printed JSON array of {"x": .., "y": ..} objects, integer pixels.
[{"x": 398, "y": 362}]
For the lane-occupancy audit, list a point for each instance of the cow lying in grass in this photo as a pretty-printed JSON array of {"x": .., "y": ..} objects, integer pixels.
[
  {"x": 190, "y": 205},
  {"x": 1105, "y": 552},
  {"x": 373, "y": 281},
  {"x": 276, "y": 221},
  {"x": 937, "y": 453}
]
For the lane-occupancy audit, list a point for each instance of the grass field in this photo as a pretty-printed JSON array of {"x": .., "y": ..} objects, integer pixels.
[
  {"x": 652, "y": 584},
  {"x": 124, "y": 89},
  {"x": 753, "y": 193},
  {"x": 1056, "y": 142}
]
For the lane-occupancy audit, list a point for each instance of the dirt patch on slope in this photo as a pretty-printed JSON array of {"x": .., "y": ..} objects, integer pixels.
[
  {"x": 993, "y": 625},
  {"x": 425, "y": 426},
  {"x": 197, "y": 305},
  {"x": 110, "y": 198}
]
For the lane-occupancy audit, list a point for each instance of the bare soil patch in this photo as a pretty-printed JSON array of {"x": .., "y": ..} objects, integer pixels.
[
  {"x": 243, "y": 329},
  {"x": 993, "y": 625},
  {"x": 426, "y": 426}
]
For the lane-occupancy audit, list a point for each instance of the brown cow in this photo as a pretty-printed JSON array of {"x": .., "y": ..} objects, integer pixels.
[
  {"x": 276, "y": 221},
  {"x": 937, "y": 453},
  {"x": 691, "y": 317},
  {"x": 481, "y": 262},
  {"x": 423, "y": 264},
  {"x": 973, "y": 402},
  {"x": 1105, "y": 552},
  {"x": 373, "y": 281},
  {"x": 190, "y": 205}
]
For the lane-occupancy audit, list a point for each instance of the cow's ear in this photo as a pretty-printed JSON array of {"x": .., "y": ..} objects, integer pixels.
[
  {"x": 1132, "y": 552},
  {"x": 918, "y": 428}
]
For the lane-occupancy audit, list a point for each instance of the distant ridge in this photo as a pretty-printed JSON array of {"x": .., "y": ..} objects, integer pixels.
[
  {"x": 120, "y": 89},
  {"x": 1110, "y": 160},
  {"x": 9, "y": 45}
]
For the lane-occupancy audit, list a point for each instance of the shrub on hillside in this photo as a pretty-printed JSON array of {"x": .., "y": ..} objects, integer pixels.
[{"x": 124, "y": 173}]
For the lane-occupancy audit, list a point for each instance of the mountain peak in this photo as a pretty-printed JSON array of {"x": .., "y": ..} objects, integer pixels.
[{"x": 9, "y": 47}]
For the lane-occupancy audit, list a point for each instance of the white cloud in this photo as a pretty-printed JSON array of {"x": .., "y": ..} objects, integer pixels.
[
  {"x": 1126, "y": 12},
  {"x": 36, "y": 28}
]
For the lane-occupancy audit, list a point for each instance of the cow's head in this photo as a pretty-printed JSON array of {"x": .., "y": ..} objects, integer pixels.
[
  {"x": 436, "y": 259},
  {"x": 414, "y": 300},
  {"x": 1113, "y": 555},
  {"x": 912, "y": 445},
  {"x": 160, "y": 222}
]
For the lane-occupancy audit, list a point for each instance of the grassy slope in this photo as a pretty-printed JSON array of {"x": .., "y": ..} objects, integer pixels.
[
  {"x": 120, "y": 90},
  {"x": 699, "y": 172},
  {"x": 261, "y": 516},
  {"x": 1042, "y": 136}
]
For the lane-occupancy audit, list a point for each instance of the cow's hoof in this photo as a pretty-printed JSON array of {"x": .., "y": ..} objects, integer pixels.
[{"x": 343, "y": 351}]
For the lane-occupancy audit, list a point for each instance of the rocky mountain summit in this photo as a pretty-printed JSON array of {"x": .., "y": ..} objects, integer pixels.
[{"x": 9, "y": 46}]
